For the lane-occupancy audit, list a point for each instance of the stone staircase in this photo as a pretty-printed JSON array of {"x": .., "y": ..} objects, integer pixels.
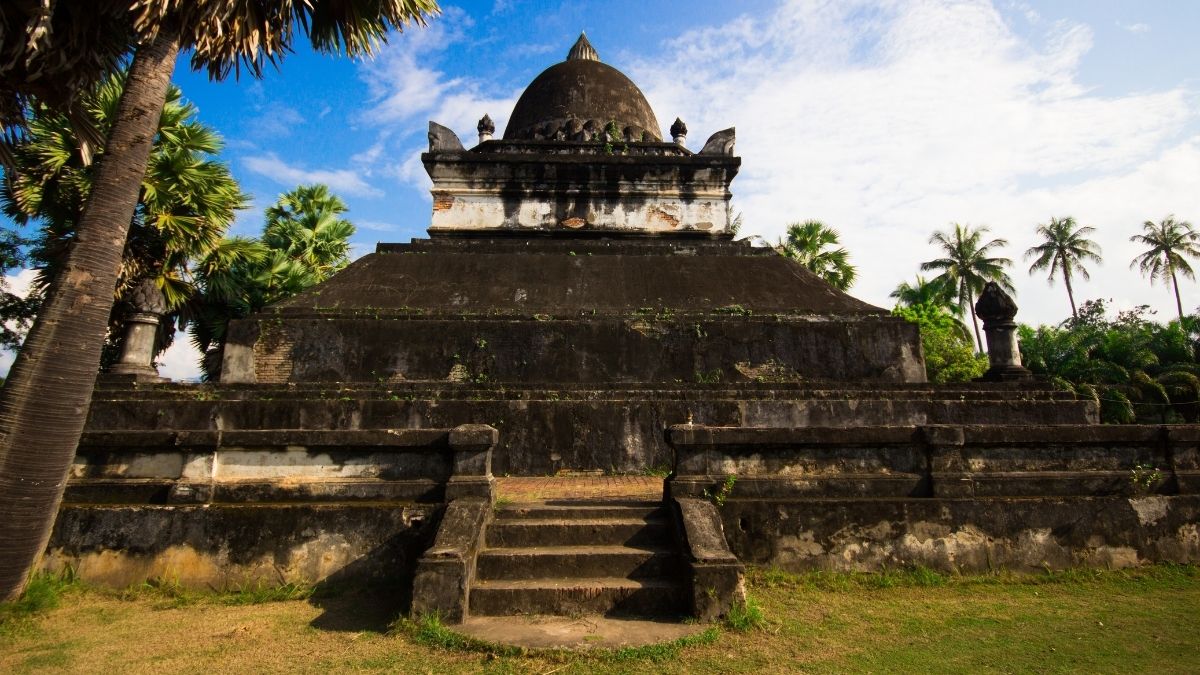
[{"x": 570, "y": 558}]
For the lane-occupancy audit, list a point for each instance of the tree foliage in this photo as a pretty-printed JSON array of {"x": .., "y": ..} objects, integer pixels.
[
  {"x": 967, "y": 264},
  {"x": 304, "y": 242},
  {"x": 44, "y": 402},
  {"x": 812, "y": 244},
  {"x": 187, "y": 200},
  {"x": 949, "y": 355},
  {"x": 1138, "y": 370}
]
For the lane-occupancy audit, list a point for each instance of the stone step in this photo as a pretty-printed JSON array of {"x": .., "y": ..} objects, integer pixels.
[
  {"x": 581, "y": 510},
  {"x": 527, "y": 532},
  {"x": 575, "y": 561},
  {"x": 584, "y": 595}
]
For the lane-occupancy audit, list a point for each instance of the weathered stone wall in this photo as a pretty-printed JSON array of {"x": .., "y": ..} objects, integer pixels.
[
  {"x": 225, "y": 546},
  {"x": 530, "y": 186},
  {"x": 965, "y": 535},
  {"x": 543, "y": 431},
  {"x": 581, "y": 351},
  {"x": 949, "y": 497}
]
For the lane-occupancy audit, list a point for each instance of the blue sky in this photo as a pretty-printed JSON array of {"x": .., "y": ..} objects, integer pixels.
[{"x": 885, "y": 119}]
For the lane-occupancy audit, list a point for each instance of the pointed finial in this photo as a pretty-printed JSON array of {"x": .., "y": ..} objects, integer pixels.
[
  {"x": 583, "y": 50},
  {"x": 486, "y": 128},
  {"x": 679, "y": 131}
]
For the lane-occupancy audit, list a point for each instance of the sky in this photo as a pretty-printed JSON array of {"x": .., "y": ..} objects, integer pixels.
[{"x": 885, "y": 119}]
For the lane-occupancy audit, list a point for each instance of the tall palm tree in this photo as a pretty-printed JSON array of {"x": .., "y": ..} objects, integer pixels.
[
  {"x": 188, "y": 198},
  {"x": 45, "y": 399},
  {"x": 1064, "y": 247},
  {"x": 810, "y": 244},
  {"x": 1171, "y": 243},
  {"x": 967, "y": 265}
]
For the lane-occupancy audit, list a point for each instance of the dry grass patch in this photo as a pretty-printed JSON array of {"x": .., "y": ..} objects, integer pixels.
[{"x": 910, "y": 621}]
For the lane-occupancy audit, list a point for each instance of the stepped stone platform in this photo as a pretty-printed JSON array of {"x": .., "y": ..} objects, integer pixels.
[
  {"x": 550, "y": 428},
  {"x": 581, "y": 307}
]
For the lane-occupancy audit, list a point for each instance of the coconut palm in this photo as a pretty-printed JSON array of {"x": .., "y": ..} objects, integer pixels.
[
  {"x": 1171, "y": 243},
  {"x": 967, "y": 266},
  {"x": 1064, "y": 247},
  {"x": 45, "y": 399},
  {"x": 809, "y": 243}
]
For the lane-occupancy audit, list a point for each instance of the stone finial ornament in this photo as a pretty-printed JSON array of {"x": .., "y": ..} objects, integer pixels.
[
  {"x": 720, "y": 143},
  {"x": 146, "y": 297},
  {"x": 486, "y": 128},
  {"x": 442, "y": 139},
  {"x": 679, "y": 131},
  {"x": 141, "y": 329},
  {"x": 583, "y": 50},
  {"x": 997, "y": 309},
  {"x": 994, "y": 305}
]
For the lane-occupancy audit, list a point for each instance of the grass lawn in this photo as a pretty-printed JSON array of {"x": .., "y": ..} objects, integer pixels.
[{"x": 1145, "y": 620}]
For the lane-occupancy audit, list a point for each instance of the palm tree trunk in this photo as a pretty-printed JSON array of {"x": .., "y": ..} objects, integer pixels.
[
  {"x": 45, "y": 401},
  {"x": 1070, "y": 293},
  {"x": 1178, "y": 302},
  {"x": 974, "y": 319}
]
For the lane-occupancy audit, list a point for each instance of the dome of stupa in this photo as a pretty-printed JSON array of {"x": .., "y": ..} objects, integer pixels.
[{"x": 578, "y": 98}]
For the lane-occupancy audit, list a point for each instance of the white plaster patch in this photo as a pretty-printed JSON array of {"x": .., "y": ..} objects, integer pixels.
[
  {"x": 296, "y": 462},
  {"x": 793, "y": 551},
  {"x": 1149, "y": 510}
]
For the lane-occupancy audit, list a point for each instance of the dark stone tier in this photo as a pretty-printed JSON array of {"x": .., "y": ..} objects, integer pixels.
[{"x": 573, "y": 310}]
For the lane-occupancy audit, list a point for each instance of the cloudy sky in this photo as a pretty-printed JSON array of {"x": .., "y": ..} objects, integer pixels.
[{"x": 885, "y": 119}]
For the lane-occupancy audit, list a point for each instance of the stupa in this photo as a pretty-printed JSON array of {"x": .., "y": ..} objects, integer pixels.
[{"x": 581, "y": 305}]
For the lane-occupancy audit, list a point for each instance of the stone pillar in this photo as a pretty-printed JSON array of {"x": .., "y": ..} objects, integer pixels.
[
  {"x": 141, "y": 328},
  {"x": 997, "y": 309},
  {"x": 486, "y": 128}
]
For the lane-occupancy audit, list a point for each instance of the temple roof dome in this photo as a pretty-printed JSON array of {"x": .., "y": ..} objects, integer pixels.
[{"x": 575, "y": 100}]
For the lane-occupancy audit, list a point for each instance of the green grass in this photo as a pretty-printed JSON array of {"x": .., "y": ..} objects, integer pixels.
[
  {"x": 165, "y": 593},
  {"x": 43, "y": 593},
  {"x": 745, "y": 616},
  {"x": 903, "y": 620}
]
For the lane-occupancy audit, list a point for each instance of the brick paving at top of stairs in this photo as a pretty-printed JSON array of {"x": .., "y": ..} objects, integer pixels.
[{"x": 551, "y": 488}]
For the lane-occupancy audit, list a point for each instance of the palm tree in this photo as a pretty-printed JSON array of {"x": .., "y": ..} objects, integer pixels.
[
  {"x": 44, "y": 402},
  {"x": 1171, "y": 243},
  {"x": 1065, "y": 247},
  {"x": 51, "y": 52},
  {"x": 932, "y": 292},
  {"x": 809, "y": 243},
  {"x": 306, "y": 225},
  {"x": 188, "y": 199},
  {"x": 304, "y": 242},
  {"x": 967, "y": 266}
]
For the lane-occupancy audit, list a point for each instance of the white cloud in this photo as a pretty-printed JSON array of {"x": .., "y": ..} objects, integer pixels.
[
  {"x": 341, "y": 180},
  {"x": 1135, "y": 28},
  {"x": 376, "y": 226},
  {"x": 889, "y": 121},
  {"x": 407, "y": 89},
  {"x": 18, "y": 284}
]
